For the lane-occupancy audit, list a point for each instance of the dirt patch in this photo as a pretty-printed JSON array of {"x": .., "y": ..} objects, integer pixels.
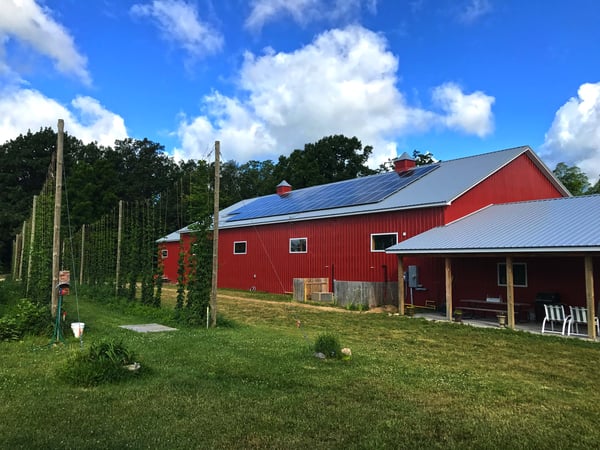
[
  {"x": 387, "y": 309},
  {"x": 298, "y": 304}
]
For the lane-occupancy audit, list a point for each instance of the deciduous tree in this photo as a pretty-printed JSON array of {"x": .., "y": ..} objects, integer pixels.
[{"x": 573, "y": 178}]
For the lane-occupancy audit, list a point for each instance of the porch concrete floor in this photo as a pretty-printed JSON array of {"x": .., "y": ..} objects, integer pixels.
[{"x": 529, "y": 327}]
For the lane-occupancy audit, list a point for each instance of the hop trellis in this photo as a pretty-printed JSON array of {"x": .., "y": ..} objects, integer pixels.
[
  {"x": 118, "y": 255},
  {"x": 91, "y": 253}
]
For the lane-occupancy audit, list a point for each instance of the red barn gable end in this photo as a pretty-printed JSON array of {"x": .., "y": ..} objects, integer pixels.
[{"x": 340, "y": 230}]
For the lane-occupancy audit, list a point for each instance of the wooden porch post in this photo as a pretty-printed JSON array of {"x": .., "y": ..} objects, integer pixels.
[
  {"x": 510, "y": 292},
  {"x": 589, "y": 296},
  {"x": 448, "y": 276},
  {"x": 401, "y": 292}
]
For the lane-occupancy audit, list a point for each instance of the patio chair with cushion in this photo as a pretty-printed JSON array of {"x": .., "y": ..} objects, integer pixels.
[
  {"x": 579, "y": 316},
  {"x": 555, "y": 314}
]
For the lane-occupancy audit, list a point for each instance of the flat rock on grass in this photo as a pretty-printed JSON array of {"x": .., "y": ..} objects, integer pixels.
[{"x": 148, "y": 328}]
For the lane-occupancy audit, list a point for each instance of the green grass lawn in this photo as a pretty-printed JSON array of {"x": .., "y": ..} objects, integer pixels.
[{"x": 253, "y": 382}]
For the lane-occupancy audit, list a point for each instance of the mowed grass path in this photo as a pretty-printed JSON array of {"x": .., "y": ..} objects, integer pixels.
[{"x": 253, "y": 383}]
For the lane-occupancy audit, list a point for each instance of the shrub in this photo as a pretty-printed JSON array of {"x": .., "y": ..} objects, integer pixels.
[
  {"x": 33, "y": 319},
  {"x": 104, "y": 362},
  {"x": 26, "y": 318},
  {"x": 329, "y": 345},
  {"x": 9, "y": 331},
  {"x": 359, "y": 306}
]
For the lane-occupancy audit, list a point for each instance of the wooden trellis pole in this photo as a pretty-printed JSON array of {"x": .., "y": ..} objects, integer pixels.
[
  {"x": 22, "y": 249},
  {"x": 215, "y": 261},
  {"x": 81, "y": 264},
  {"x": 119, "y": 233},
  {"x": 15, "y": 267},
  {"x": 57, "y": 210},
  {"x": 31, "y": 243}
]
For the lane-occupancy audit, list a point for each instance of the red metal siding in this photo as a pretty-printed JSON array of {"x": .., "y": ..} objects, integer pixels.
[
  {"x": 171, "y": 262},
  {"x": 475, "y": 278},
  {"x": 337, "y": 248},
  {"x": 518, "y": 181}
]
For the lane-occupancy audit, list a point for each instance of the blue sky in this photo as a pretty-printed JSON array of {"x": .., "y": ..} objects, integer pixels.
[{"x": 453, "y": 77}]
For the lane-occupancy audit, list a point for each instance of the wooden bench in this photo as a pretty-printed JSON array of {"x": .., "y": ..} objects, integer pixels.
[{"x": 490, "y": 310}]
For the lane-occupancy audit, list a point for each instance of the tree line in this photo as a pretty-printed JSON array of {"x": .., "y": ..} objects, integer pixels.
[
  {"x": 133, "y": 170},
  {"x": 97, "y": 177}
]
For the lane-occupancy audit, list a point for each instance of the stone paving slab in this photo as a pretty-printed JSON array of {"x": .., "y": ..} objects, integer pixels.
[{"x": 148, "y": 328}]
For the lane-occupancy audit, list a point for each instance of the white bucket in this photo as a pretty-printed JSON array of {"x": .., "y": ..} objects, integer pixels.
[{"x": 77, "y": 328}]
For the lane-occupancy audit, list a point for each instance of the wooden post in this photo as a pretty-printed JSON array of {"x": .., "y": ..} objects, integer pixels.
[
  {"x": 57, "y": 210},
  {"x": 81, "y": 265},
  {"x": 22, "y": 250},
  {"x": 14, "y": 258},
  {"x": 119, "y": 231},
  {"x": 215, "y": 262},
  {"x": 448, "y": 277},
  {"x": 401, "y": 293},
  {"x": 589, "y": 295},
  {"x": 16, "y": 252},
  {"x": 510, "y": 292},
  {"x": 31, "y": 243}
]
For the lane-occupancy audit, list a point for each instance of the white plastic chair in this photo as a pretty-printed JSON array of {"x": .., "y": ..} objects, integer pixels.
[
  {"x": 555, "y": 314},
  {"x": 579, "y": 317}
]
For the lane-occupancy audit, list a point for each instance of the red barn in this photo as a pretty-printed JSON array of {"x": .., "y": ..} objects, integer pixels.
[{"x": 339, "y": 231}]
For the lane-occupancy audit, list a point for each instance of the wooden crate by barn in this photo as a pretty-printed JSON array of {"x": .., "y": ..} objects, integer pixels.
[{"x": 305, "y": 287}]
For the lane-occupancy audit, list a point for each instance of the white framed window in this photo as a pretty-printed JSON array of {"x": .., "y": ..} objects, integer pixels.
[
  {"x": 298, "y": 245},
  {"x": 519, "y": 274},
  {"x": 381, "y": 241},
  {"x": 164, "y": 253},
  {"x": 239, "y": 247}
]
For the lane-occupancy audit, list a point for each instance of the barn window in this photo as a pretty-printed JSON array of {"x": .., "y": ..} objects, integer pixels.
[
  {"x": 381, "y": 241},
  {"x": 239, "y": 248},
  {"x": 164, "y": 253},
  {"x": 298, "y": 245},
  {"x": 519, "y": 274}
]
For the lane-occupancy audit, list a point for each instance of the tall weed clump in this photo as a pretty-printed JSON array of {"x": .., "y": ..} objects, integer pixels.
[
  {"x": 104, "y": 362},
  {"x": 329, "y": 345}
]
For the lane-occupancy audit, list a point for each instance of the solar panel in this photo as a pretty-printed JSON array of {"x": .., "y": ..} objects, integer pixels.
[{"x": 358, "y": 191}]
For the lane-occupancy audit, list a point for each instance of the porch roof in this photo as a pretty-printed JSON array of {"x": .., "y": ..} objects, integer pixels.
[{"x": 570, "y": 224}]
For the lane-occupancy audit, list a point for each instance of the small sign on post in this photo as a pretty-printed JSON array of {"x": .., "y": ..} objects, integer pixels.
[
  {"x": 64, "y": 276},
  {"x": 64, "y": 280}
]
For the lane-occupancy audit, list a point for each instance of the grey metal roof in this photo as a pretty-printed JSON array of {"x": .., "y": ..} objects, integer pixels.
[
  {"x": 172, "y": 237},
  {"x": 358, "y": 191},
  {"x": 555, "y": 225},
  {"x": 439, "y": 187}
]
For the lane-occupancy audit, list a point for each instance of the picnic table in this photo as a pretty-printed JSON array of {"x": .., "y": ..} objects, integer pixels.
[{"x": 492, "y": 306}]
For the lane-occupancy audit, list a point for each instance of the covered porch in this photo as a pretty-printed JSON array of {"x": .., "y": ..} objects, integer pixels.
[{"x": 553, "y": 231}]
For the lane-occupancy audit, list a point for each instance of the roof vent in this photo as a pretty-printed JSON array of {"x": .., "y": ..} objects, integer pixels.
[
  {"x": 403, "y": 163},
  {"x": 283, "y": 188}
]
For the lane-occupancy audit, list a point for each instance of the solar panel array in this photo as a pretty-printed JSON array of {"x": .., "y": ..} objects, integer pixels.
[{"x": 358, "y": 191}]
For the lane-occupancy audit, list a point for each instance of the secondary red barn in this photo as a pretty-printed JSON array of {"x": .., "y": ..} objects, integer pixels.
[{"x": 340, "y": 231}]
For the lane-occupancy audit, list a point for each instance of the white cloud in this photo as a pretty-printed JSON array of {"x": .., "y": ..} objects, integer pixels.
[
  {"x": 87, "y": 120},
  {"x": 344, "y": 82},
  {"x": 245, "y": 136},
  {"x": 474, "y": 10},
  {"x": 574, "y": 136},
  {"x": 179, "y": 22},
  {"x": 470, "y": 113},
  {"x": 33, "y": 25},
  {"x": 93, "y": 122},
  {"x": 305, "y": 11}
]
